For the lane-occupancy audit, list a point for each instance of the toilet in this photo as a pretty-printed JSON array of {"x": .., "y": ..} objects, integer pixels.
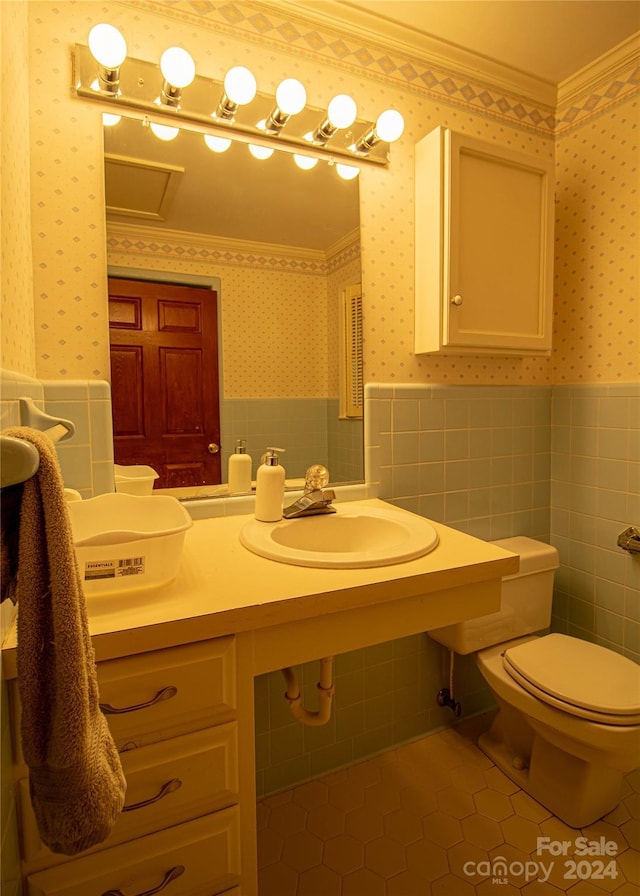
[{"x": 568, "y": 723}]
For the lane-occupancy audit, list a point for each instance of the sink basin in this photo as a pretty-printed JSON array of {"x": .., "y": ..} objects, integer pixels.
[{"x": 347, "y": 539}]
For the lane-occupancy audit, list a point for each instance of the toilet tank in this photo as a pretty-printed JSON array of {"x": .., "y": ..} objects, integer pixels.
[{"x": 525, "y": 602}]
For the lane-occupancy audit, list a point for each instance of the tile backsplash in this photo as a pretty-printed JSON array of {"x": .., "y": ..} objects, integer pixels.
[{"x": 473, "y": 457}]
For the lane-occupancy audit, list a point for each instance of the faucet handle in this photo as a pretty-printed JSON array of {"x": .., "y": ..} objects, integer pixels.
[{"x": 316, "y": 478}]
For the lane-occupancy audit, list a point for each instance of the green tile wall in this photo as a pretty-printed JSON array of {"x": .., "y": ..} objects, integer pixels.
[
  {"x": 473, "y": 457},
  {"x": 307, "y": 428},
  {"x": 595, "y": 491},
  {"x": 384, "y": 695}
]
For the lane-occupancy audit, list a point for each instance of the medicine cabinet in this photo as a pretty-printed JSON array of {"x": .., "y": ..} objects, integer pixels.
[{"x": 484, "y": 248}]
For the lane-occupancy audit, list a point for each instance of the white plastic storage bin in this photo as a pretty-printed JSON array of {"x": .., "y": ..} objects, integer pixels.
[
  {"x": 136, "y": 479},
  {"x": 128, "y": 542}
]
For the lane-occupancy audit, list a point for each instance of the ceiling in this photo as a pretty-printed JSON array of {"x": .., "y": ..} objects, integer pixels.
[{"x": 549, "y": 39}]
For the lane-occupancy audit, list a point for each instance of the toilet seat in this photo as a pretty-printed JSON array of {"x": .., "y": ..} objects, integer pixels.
[{"x": 578, "y": 677}]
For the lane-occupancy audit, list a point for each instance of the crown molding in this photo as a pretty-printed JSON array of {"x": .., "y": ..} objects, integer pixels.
[
  {"x": 209, "y": 244},
  {"x": 606, "y": 68},
  {"x": 405, "y": 41},
  {"x": 345, "y": 242}
]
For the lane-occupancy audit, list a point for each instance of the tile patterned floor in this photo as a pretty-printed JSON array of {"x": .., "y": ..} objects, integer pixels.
[{"x": 437, "y": 817}]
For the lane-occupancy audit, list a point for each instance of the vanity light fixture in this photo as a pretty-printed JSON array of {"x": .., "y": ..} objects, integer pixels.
[
  {"x": 109, "y": 48},
  {"x": 290, "y": 99},
  {"x": 341, "y": 113},
  {"x": 178, "y": 70},
  {"x": 130, "y": 91},
  {"x": 388, "y": 127},
  {"x": 239, "y": 89}
]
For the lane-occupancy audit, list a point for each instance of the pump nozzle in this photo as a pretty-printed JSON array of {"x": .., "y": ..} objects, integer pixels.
[{"x": 270, "y": 458}]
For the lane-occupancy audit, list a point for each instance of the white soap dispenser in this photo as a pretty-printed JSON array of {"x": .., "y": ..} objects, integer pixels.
[
  {"x": 239, "y": 478},
  {"x": 270, "y": 487}
]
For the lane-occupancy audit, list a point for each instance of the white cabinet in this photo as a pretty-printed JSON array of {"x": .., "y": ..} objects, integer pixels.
[
  {"x": 173, "y": 717},
  {"x": 484, "y": 248}
]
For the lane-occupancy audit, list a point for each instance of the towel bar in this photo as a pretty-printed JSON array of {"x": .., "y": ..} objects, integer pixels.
[
  {"x": 57, "y": 428},
  {"x": 19, "y": 459},
  {"x": 629, "y": 540}
]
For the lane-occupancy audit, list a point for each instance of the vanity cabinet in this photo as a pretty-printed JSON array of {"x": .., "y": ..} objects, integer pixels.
[
  {"x": 484, "y": 248},
  {"x": 172, "y": 714}
]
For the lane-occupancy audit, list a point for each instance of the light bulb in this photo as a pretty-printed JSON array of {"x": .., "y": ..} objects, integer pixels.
[
  {"x": 217, "y": 144},
  {"x": 347, "y": 172},
  {"x": 390, "y": 125},
  {"x": 177, "y": 67},
  {"x": 109, "y": 119},
  {"x": 305, "y": 163},
  {"x": 163, "y": 131},
  {"x": 342, "y": 111},
  {"x": 260, "y": 152},
  {"x": 107, "y": 46},
  {"x": 291, "y": 96},
  {"x": 240, "y": 85}
]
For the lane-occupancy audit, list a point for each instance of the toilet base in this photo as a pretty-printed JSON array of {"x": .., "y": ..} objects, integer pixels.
[{"x": 577, "y": 792}]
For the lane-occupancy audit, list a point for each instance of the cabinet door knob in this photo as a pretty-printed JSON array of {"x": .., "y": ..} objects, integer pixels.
[
  {"x": 456, "y": 300},
  {"x": 212, "y": 448}
]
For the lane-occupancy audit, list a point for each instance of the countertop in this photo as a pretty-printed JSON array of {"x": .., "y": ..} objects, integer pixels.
[{"x": 222, "y": 588}]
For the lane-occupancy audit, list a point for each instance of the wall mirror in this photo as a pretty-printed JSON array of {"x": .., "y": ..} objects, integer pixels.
[{"x": 280, "y": 247}]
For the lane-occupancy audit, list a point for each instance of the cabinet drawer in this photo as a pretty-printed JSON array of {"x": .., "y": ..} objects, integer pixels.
[
  {"x": 167, "y": 783},
  {"x": 154, "y": 696},
  {"x": 198, "y": 858}
]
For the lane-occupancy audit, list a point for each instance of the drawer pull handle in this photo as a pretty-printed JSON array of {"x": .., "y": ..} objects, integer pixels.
[
  {"x": 172, "y": 874},
  {"x": 170, "y": 787},
  {"x": 164, "y": 694}
]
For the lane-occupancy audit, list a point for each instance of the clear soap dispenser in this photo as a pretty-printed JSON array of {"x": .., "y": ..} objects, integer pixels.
[
  {"x": 239, "y": 478},
  {"x": 270, "y": 487}
]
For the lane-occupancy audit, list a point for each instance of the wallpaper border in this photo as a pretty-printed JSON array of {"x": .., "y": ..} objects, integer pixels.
[{"x": 145, "y": 242}]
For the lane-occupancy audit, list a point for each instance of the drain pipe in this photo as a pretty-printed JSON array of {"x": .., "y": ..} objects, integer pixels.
[
  {"x": 325, "y": 693},
  {"x": 445, "y": 695}
]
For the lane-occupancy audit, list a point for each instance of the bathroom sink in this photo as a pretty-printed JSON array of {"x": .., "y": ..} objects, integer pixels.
[{"x": 347, "y": 539}]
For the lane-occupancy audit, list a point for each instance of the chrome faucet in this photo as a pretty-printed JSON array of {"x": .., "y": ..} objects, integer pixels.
[{"x": 316, "y": 498}]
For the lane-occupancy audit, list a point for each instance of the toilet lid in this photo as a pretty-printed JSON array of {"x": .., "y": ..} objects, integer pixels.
[{"x": 579, "y": 677}]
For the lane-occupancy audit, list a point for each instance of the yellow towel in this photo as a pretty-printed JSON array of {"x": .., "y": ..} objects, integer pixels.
[{"x": 75, "y": 777}]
